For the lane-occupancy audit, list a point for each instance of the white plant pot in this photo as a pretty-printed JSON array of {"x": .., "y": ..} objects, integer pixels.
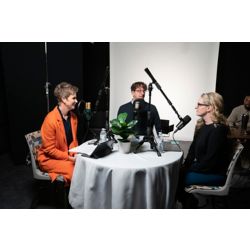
[{"x": 124, "y": 147}]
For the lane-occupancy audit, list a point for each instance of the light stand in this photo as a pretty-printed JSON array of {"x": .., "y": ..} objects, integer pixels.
[
  {"x": 47, "y": 84},
  {"x": 149, "y": 137}
]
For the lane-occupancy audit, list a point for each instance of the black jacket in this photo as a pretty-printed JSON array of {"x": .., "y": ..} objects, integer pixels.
[
  {"x": 141, "y": 116},
  {"x": 210, "y": 151}
]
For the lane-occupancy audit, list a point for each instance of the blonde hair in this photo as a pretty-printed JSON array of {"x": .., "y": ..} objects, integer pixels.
[
  {"x": 215, "y": 100},
  {"x": 64, "y": 90}
]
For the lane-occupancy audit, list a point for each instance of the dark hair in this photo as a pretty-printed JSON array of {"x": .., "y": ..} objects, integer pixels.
[{"x": 136, "y": 85}]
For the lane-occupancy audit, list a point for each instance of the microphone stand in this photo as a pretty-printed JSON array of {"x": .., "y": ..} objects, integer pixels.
[
  {"x": 107, "y": 108},
  {"x": 169, "y": 102},
  {"x": 149, "y": 137}
]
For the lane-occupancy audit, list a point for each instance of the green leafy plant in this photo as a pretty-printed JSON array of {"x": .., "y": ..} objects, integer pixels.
[{"x": 120, "y": 127}]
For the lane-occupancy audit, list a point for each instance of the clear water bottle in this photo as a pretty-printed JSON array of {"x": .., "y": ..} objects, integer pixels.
[
  {"x": 160, "y": 142},
  {"x": 103, "y": 135}
]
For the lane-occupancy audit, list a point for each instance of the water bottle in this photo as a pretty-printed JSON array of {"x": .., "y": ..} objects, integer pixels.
[
  {"x": 103, "y": 135},
  {"x": 160, "y": 142},
  {"x": 244, "y": 121}
]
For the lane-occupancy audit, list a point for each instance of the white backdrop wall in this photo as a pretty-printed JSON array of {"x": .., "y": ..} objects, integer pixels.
[{"x": 184, "y": 71}]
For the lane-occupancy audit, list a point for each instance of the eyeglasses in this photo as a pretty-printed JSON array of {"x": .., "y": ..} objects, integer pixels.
[
  {"x": 140, "y": 90},
  {"x": 202, "y": 104}
]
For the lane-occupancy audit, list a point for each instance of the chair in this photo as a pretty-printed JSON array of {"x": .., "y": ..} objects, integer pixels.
[
  {"x": 43, "y": 179},
  {"x": 200, "y": 191}
]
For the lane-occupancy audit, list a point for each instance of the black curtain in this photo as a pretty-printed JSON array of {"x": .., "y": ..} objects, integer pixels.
[
  {"x": 96, "y": 84},
  {"x": 23, "y": 78},
  {"x": 95, "y": 63},
  {"x": 233, "y": 73},
  {"x": 23, "y": 74},
  {"x": 4, "y": 128}
]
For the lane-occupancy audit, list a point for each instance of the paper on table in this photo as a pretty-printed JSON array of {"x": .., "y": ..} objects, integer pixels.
[{"x": 84, "y": 148}]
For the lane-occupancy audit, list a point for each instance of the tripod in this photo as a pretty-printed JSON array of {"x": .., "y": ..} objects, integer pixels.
[{"x": 149, "y": 137}]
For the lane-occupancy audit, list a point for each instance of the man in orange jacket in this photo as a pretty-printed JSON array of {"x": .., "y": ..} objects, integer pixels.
[{"x": 59, "y": 134}]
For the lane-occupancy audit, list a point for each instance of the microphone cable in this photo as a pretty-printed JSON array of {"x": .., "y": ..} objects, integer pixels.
[{"x": 177, "y": 144}]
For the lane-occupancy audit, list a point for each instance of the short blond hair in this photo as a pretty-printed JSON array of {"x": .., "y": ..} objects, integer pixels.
[{"x": 64, "y": 90}]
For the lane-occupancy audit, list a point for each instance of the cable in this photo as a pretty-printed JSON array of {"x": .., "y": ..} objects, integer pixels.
[{"x": 177, "y": 144}]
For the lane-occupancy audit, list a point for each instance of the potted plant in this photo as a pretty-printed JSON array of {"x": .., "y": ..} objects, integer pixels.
[{"x": 124, "y": 129}]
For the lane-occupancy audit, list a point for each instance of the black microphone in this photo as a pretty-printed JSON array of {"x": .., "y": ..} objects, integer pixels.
[
  {"x": 136, "y": 108},
  {"x": 152, "y": 78},
  {"x": 182, "y": 123},
  {"x": 137, "y": 105}
]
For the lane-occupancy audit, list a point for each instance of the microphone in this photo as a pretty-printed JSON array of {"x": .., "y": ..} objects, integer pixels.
[
  {"x": 139, "y": 104},
  {"x": 184, "y": 121},
  {"x": 87, "y": 111},
  {"x": 136, "y": 105},
  {"x": 152, "y": 78}
]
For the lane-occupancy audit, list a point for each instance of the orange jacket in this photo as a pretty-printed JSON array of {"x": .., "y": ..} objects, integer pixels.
[{"x": 54, "y": 142}]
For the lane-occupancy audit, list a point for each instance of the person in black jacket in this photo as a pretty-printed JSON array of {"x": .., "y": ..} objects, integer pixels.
[
  {"x": 210, "y": 152},
  {"x": 137, "y": 109}
]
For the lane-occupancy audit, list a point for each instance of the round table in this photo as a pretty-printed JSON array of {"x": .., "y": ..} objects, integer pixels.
[{"x": 142, "y": 180}]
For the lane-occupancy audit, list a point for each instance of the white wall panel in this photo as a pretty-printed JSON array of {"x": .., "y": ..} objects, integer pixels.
[{"x": 184, "y": 71}]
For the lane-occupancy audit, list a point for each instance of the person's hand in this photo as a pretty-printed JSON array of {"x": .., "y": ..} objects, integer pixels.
[{"x": 72, "y": 158}]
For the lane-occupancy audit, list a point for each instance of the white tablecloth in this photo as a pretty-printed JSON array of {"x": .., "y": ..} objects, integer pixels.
[{"x": 141, "y": 180}]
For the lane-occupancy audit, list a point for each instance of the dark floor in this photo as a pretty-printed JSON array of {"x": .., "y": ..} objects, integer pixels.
[
  {"x": 16, "y": 184},
  {"x": 18, "y": 188}
]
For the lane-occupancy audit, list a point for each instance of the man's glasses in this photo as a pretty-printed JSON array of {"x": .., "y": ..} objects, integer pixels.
[
  {"x": 140, "y": 90},
  {"x": 202, "y": 104}
]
